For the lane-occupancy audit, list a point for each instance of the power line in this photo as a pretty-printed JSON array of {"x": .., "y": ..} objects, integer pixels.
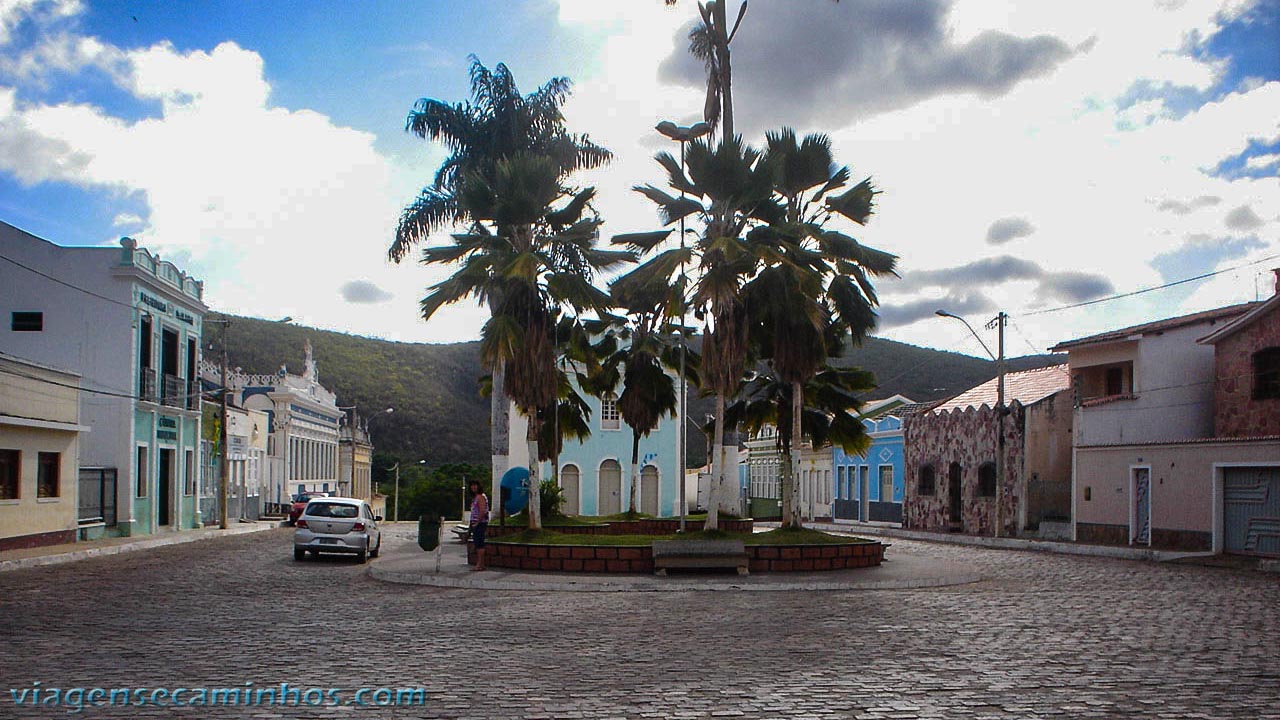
[
  {"x": 1151, "y": 289},
  {"x": 64, "y": 282}
]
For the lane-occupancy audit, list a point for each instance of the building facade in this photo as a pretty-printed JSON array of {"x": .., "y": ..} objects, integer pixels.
[
  {"x": 129, "y": 324},
  {"x": 950, "y": 454},
  {"x": 595, "y": 474},
  {"x": 355, "y": 461},
  {"x": 39, "y": 457},
  {"x": 869, "y": 487},
  {"x": 1204, "y": 478}
]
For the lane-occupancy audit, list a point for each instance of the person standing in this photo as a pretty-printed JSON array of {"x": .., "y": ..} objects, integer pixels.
[{"x": 479, "y": 521}]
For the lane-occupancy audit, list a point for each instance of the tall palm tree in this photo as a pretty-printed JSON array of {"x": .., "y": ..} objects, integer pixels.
[
  {"x": 709, "y": 42},
  {"x": 531, "y": 250},
  {"x": 816, "y": 286},
  {"x": 495, "y": 124},
  {"x": 727, "y": 189}
]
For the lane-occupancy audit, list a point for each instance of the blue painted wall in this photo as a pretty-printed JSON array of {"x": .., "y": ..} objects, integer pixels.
[
  {"x": 886, "y": 449},
  {"x": 658, "y": 449}
]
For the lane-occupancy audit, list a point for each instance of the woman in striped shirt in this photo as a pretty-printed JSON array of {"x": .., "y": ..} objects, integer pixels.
[{"x": 479, "y": 521}]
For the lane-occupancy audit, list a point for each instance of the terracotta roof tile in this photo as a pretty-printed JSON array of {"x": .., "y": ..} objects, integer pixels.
[{"x": 1027, "y": 387}]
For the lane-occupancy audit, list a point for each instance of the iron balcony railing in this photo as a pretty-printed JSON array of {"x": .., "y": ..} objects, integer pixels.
[
  {"x": 147, "y": 384},
  {"x": 174, "y": 391},
  {"x": 193, "y": 394}
]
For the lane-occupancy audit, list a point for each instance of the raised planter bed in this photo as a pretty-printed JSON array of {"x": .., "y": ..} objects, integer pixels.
[
  {"x": 665, "y": 526},
  {"x": 639, "y": 559}
]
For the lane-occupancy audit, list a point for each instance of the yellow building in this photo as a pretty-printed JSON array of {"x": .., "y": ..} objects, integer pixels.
[{"x": 39, "y": 454}]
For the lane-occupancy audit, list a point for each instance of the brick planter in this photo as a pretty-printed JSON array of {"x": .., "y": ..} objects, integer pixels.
[
  {"x": 664, "y": 526},
  {"x": 639, "y": 559}
]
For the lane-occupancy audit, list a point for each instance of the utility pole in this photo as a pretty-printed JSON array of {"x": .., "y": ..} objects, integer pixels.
[
  {"x": 224, "y": 473},
  {"x": 999, "y": 321}
]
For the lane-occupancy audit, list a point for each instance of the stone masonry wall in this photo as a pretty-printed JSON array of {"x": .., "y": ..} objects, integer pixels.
[
  {"x": 1236, "y": 413},
  {"x": 969, "y": 438},
  {"x": 606, "y": 559}
]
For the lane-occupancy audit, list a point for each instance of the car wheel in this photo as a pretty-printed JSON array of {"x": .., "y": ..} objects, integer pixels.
[
  {"x": 377, "y": 549},
  {"x": 361, "y": 556},
  {"x": 299, "y": 554}
]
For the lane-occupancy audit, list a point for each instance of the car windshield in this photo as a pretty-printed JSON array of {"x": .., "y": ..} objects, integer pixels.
[{"x": 333, "y": 510}]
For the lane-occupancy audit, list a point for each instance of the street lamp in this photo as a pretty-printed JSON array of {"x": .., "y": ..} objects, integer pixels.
[
  {"x": 224, "y": 474},
  {"x": 682, "y": 134},
  {"x": 997, "y": 322},
  {"x": 353, "y": 424},
  {"x": 396, "y": 507}
]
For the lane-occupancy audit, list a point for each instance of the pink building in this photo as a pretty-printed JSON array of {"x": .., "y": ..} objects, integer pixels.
[{"x": 1176, "y": 432}]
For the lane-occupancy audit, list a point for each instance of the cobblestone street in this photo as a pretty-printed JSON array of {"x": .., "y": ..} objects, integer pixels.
[{"x": 1042, "y": 636}]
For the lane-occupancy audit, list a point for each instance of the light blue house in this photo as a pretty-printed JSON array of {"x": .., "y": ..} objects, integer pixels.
[
  {"x": 595, "y": 474},
  {"x": 870, "y": 487}
]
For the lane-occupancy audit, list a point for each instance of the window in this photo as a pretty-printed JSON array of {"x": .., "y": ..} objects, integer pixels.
[
  {"x": 143, "y": 475},
  {"x": 189, "y": 479},
  {"x": 1115, "y": 381},
  {"x": 10, "y": 463},
  {"x": 987, "y": 480},
  {"x": 48, "y": 475},
  {"x": 609, "y": 417},
  {"x": 1266, "y": 374},
  {"x": 886, "y": 483},
  {"x": 26, "y": 322},
  {"x": 928, "y": 481}
]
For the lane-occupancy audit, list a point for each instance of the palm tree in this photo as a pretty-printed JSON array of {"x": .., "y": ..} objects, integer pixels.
[
  {"x": 496, "y": 124},
  {"x": 727, "y": 188},
  {"x": 815, "y": 287},
  {"x": 525, "y": 257},
  {"x": 709, "y": 42}
]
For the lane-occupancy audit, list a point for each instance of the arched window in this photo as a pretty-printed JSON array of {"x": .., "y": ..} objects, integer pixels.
[
  {"x": 987, "y": 480},
  {"x": 928, "y": 481},
  {"x": 1266, "y": 374}
]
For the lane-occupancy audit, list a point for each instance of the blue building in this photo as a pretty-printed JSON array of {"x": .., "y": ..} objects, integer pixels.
[
  {"x": 870, "y": 487},
  {"x": 596, "y": 474}
]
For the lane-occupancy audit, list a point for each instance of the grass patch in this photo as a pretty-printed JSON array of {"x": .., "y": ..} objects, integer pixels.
[
  {"x": 616, "y": 517},
  {"x": 522, "y": 520},
  {"x": 773, "y": 537}
]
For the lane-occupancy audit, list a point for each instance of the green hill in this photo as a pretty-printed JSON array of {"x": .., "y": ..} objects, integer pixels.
[{"x": 439, "y": 414}]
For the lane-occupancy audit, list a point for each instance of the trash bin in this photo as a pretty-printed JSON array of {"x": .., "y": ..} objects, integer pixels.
[{"x": 429, "y": 531}]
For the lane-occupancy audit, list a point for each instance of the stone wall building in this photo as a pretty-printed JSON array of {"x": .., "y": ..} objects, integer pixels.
[{"x": 950, "y": 453}]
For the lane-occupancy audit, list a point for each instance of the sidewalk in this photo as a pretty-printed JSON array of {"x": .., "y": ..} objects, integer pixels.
[
  {"x": 1053, "y": 546},
  {"x": 405, "y": 563},
  {"x": 73, "y": 552}
]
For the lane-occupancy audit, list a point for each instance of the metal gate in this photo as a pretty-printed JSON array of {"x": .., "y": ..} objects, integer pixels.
[
  {"x": 1140, "y": 528},
  {"x": 1251, "y": 510}
]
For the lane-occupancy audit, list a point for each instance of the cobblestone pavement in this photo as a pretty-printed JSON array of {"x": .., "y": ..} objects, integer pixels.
[{"x": 1043, "y": 636}]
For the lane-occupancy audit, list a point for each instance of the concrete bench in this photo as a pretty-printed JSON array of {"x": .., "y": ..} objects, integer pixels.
[
  {"x": 462, "y": 532},
  {"x": 699, "y": 554}
]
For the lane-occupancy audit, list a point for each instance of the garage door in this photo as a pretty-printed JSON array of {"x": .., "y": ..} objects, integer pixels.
[{"x": 1251, "y": 512}]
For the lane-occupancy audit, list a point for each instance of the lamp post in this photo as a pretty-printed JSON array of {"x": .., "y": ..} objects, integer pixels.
[
  {"x": 682, "y": 134},
  {"x": 997, "y": 322},
  {"x": 396, "y": 507}
]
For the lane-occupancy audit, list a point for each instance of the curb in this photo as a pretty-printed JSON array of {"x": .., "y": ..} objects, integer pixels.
[
  {"x": 1049, "y": 546},
  {"x": 443, "y": 581},
  {"x": 180, "y": 538}
]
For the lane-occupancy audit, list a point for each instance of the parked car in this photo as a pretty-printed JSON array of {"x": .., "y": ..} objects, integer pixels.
[
  {"x": 300, "y": 501},
  {"x": 337, "y": 525}
]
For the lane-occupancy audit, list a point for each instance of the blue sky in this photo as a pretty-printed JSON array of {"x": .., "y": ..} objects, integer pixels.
[{"x": 1029, "y": 155}]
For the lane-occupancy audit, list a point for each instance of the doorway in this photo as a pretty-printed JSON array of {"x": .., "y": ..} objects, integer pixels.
[
  {"x": 609, "y": 497},
  {"x": 955, "y": 494},
  {"x": 164, "y": 489},
  {"x": 649, "y": 490},
  {"x": 570, "y": 477},
  {"x": 1140, "y": 524}
]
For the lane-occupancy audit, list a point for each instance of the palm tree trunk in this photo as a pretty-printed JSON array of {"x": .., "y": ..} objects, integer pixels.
[
  {"x": 726, "y": 72},
  {"x": 797, "y": 407},
  {"x": 535, "y": 482},
  {"x": 635, "y": 470},
  {"x": 499, "y": 430},
  {"x": 715, "y": 488}
]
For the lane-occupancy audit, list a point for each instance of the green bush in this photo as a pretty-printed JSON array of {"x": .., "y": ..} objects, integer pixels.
[{"x": 552, "y": 499}]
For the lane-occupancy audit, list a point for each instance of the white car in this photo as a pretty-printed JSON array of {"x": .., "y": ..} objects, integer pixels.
[{"x": 337, "y": 525}]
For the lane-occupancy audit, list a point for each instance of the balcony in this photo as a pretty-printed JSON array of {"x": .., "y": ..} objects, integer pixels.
[
  {"x": 174, "y": 391},
  {"x": 147, "y": 384},
  {"x": 193, "y": 394}
]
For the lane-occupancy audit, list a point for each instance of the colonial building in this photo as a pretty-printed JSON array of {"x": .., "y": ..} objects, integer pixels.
[
  {"x": 950, "y": 453},
  {"x": 1177, "y": 448},
  {"x": 870, "y": 487},
  {"x": 355, "y": 462},
  {"x": 39, "y": 452},
  {"x": 129, "y": 324},
  {"x": 247, "y": 467},
  {"x": 595, "y": 473}
]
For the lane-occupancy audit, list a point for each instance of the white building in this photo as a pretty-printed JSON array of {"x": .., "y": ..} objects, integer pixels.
[
  {"x": 302, "y": 437},
  {"x": 129, "y": 324}
]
